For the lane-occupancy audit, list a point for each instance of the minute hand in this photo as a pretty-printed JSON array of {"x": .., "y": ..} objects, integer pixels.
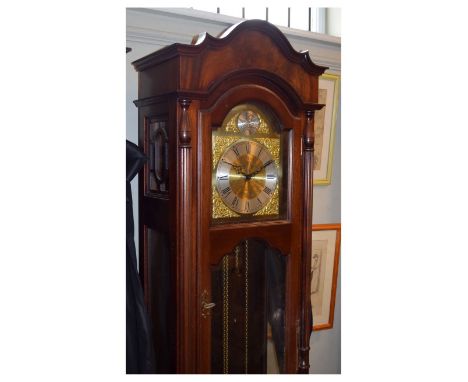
[{"x": 260, "y": 169}]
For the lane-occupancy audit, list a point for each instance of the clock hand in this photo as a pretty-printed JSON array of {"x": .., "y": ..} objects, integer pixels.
[
  {"x": 229, "y": 163},
  {"x": 260, "y": 169},
  {"x": 237, "y": 167}
]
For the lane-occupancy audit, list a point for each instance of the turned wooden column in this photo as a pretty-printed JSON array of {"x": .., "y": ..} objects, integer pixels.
[
  {"x": 184, "y": 245},
  {"x": 306, "y": 309}
]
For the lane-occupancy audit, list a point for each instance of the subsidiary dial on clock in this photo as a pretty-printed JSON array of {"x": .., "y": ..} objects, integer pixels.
[
  {"x": 246, "y": 176},
  {"x": 248, "y": 122}
]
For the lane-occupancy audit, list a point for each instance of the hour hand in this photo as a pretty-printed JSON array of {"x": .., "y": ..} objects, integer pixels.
[
  {"x": 261, "y": 168},
  {"x": 237, "y": 167},
  {"x": 230, "y": 164}
]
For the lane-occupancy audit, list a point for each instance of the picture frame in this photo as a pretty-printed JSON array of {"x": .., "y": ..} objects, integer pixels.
[
  {"x": 325, "y": 254},
  {"x": 324, "y": 128}
]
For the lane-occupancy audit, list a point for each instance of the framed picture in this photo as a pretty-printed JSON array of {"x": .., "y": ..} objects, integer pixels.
[
  {"x": 324, "y": 126},
  {"x": 324, "y": 273}
]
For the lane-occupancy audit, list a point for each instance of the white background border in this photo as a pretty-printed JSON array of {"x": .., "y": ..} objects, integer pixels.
[{"x": 62, "y": 197}]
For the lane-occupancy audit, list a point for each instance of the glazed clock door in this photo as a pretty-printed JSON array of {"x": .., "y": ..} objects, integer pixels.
[
  {"x": 248, "y": 318},
  {"x": 247, "y": 301}
]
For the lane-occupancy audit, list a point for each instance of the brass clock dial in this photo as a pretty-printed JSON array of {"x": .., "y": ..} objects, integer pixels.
[{"x": 246, "y": 176}]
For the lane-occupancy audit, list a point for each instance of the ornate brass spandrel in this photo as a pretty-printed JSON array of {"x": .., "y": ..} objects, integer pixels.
[
  {"x": 231, "y": 125},
  {"x": 273, "y": 146},
  {"x": 272, "y": 207},
  {"x": 219, "y": 208},
  {"x": 220, "y": 144},
  {"x": 263, "y": 128}
]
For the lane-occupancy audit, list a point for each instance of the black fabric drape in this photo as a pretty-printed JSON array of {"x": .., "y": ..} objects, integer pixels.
[
  {"x": 140, "y": 354},
  {"x": 276, "y": 284}
]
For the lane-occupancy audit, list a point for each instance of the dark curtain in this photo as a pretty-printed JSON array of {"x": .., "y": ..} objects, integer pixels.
[{"x": 140, "y": 353}]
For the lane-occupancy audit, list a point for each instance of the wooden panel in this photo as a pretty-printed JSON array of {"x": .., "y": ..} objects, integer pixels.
[
  {"x": 203, "y": 70},
  {"x": 224, "y": 238},
  {"x": 158, "y": 80}
]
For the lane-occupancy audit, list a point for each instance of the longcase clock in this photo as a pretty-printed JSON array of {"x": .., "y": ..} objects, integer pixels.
[{"x": 225, "y": 201}]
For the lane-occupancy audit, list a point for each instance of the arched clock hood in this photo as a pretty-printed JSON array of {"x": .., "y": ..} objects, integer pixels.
[{"x": 249, "y": 45}]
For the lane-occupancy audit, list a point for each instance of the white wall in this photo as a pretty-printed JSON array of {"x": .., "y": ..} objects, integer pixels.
[
  {"x": 325, "y": 345},
  {"x": 151, "y": 29},
  {"x": 333, "y": 23}
]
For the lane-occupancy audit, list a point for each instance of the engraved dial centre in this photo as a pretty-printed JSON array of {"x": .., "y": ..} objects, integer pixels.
[{"x": 247, "y": 185}]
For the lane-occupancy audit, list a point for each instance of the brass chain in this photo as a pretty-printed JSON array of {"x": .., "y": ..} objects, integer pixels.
[
  {"x": 226, "y": 315},
  {"x": 246, "y": 246}
]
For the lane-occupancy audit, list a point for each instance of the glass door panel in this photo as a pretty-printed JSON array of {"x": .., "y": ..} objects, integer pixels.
[{"x": 248, "y": 289}]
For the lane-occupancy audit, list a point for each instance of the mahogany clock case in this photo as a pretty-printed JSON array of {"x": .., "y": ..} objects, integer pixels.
[{"x": 226, "y": 292}]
